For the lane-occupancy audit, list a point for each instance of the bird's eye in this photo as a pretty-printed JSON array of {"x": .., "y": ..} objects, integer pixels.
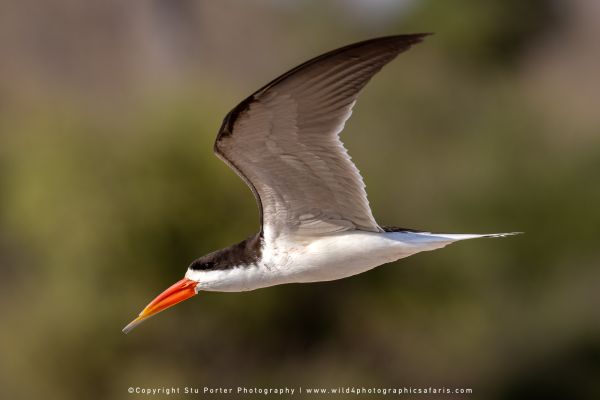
[
  {"x": 202, "y": 266},
  {"x": 208, "y": 265}
]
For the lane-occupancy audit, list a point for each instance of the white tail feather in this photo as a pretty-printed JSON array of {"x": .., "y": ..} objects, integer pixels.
[{"x": 464, "y": 236}]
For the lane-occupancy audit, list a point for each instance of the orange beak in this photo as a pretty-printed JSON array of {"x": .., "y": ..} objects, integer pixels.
[{"x": 180, "y": 291}]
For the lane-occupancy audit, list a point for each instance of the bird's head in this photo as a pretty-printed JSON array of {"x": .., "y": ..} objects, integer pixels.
[{"x": 176, "y": 293}]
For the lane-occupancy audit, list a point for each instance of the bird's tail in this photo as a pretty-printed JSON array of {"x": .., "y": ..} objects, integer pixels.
[
  {"x": 439, "y": 240},
  {"x": 464, "y": 236},
  {"x": 431, "y": 241}
]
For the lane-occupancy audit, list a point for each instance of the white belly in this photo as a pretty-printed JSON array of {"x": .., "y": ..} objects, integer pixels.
[
  {"x": 319, "y": 259},
  {"x": 340, "y": 256}
]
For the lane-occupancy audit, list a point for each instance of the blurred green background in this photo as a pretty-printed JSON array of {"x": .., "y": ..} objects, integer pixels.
[{"x": 108, "y": 189}]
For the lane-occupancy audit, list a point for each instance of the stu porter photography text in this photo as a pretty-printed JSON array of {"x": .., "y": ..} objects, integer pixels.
[{"x": 290, "y": 391}]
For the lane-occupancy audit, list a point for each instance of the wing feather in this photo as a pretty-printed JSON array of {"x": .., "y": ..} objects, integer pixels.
[{"x": 283, "y": 141}]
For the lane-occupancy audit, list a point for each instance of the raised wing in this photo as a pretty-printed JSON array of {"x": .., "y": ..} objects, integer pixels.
[{"x": 283, "y": 141}]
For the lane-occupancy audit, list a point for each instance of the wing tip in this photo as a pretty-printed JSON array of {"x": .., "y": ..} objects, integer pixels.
[{"x": 404, "y": 40}]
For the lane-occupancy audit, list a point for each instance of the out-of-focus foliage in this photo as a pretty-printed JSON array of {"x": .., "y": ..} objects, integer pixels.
[{"x": 108, "y": 189}]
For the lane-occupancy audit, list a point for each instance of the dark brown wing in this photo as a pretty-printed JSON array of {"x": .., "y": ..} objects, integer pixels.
[{"x": 283, "y": 141}]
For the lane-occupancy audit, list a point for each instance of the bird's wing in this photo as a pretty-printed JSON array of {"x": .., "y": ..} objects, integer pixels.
[{"x": 283, "y": 141}]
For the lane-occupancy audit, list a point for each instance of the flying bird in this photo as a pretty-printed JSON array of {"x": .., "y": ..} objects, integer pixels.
[{"x": 316, "y": 223}]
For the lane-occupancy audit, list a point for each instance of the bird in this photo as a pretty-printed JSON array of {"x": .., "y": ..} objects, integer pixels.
[{"x": 315, "y": 220}]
